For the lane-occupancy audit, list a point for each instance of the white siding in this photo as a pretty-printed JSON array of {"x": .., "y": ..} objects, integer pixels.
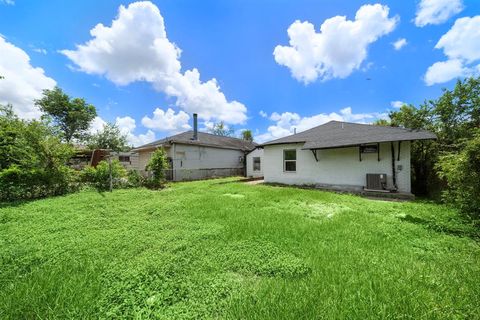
[
  {"x": 337, "y": 167},
  {"x": 199, "y": 157},
  {"x": 144, "y": 157},
  {"x": 250, "y": 172},
  {"x": 191, "y": 162}
]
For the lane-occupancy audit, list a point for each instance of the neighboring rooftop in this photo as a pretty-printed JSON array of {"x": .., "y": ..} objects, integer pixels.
[
  {"x": 204, "y": 139},
  {"x": 335, "y": 134}
]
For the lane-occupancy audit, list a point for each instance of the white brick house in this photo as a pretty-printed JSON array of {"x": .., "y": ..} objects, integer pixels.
[{"x": 339, "y": 155}]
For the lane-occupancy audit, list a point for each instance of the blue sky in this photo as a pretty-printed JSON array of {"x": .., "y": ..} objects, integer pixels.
[{"x": 348, "y": 70}]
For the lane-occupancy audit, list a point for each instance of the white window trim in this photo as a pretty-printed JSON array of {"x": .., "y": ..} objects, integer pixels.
[
  {"x": 285, "y": 161},
  {"x": 260, "y": 163}
]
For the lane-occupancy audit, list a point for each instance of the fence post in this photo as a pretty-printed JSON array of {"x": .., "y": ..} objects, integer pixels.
[{"x": 110, "y": 170}]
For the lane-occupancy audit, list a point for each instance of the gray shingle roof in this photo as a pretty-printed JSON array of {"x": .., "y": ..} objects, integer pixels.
[
  {"x": 336, "y": 134},
  {"x": 204, "y": 139}
]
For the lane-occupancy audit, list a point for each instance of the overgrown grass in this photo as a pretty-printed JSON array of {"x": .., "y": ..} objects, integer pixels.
[{"x": 224, "y": 249}]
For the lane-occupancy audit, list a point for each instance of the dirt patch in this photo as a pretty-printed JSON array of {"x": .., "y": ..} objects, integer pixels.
[
  {"x": 253, "y": 182},
  {"x": 234, "y": 195},
  {"x": 324, "y": 210}
]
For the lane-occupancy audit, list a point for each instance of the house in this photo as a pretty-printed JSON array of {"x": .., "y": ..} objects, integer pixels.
[
  {"x": 197, "y": 155},
  {"x": 128, "y": 159},
  {"x": 87, "y": 157},
  {"x": 343, "y": 156},
  {"x": 254, "y": 163}
]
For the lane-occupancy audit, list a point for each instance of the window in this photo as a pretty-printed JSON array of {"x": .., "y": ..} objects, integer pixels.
[
  {"x": 124, "y": 158},
  {"x": 256, "y": 163},
  {"x": 290, "y": 160}
]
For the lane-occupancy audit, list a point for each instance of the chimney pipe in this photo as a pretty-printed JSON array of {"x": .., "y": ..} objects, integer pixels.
[
  {"x": 294, "y": 130},
  {"x": 195, "y": 127}
]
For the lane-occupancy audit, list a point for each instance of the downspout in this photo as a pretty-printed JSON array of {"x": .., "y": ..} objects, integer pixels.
[
  {"x": 174, "y": 155},
  {"x": 245, "y": 163},
  {"x": 394, "y": 176}
]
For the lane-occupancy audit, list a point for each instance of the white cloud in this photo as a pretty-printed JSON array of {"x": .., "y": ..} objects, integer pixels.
[
  {"x": 263, "y": 114},
  {"x": 125, "y": 124},
  {"x": 22, "y": 82},
  {"x": 167, "y": 121},
  {"x": 97, "y": 125},
  {"x": 461, "y": 45},
  {"x": 462, "y": 41},
  {"x": 136, "y": 48},
  {"x": 9, "y": 2},
  {"x": 203, "y": 98},
  {"x": 436, "y": 11},
  {"x": 40, "y": 50},
  {"x": 127, "y": 127},
  {"x": 397, "y": 104},
  {"x": 287, "y": 122},
  {"x": 338, "y": 49},
  {"x": 207, "y": 126},
  {"x": 444, "y": 71},
  {"x": 141, "y": 139},
  {"x": 400, "y": 43}
]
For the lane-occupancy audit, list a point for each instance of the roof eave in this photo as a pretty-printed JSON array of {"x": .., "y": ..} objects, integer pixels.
[
  {"x": 277, "y": 143},
  {"x": 364, "y": 143},
  {"x": 198, "y": 143}
]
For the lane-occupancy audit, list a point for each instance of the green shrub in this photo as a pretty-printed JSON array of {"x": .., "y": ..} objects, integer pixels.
[
  {"x": 134, "y": 179},
  {"x": 33, "y": 160},
  {"x": 462, "y": 173},
  {"x": 99, "y": 177},
  {"x": 157, "y": 165},
  {"x": 20, "y": 183}
]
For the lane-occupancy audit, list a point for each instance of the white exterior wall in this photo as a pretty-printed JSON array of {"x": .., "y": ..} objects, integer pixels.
[
  {"x": 193, "y": 162},
  {"x": 250, "y": 172},
  {"x": 200, "y": 157},
  {"x": 337, "y": 167},
  {"x": 144, "y": 157}
]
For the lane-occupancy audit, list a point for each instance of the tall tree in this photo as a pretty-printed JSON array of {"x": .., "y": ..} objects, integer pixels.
[
  {"x": 72, "y": 116},
  {"x": 109, "y": 138},
  {"x": 247, "y": 135},
  {"x": 33, "y": 159},
  {"x": 382, "y": 122},
  {"x": 221, "y": 129},
  {"x": 423, "y": 153},
  {"x": 454, "y": 117}
]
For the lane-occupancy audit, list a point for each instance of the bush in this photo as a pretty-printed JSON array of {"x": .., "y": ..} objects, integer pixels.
[
  {"x": 157, "y": 165},
  {"x": 99, "y": 177},
  {"x": 33, "y": 161},
  {"x": 19, "y": 183},
  {"x": 134, "y": 179},
  {"x": 462, "y": 173}
]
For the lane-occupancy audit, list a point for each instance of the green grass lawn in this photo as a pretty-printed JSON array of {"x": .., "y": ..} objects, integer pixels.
[{"x": 225, "y": 249}]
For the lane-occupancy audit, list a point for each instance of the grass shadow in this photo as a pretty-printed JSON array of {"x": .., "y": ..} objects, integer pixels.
[
  {"x": 15, "y": 204},
  {"x": 470, "y": 231},
  {"x": 239, "y": 179}
]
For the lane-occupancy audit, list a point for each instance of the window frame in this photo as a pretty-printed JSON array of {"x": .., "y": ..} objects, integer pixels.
[
  {"x": 124, "y": 159},
  {"x": 285, "y": 161},
  {"x": 259, "y": 164}
]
